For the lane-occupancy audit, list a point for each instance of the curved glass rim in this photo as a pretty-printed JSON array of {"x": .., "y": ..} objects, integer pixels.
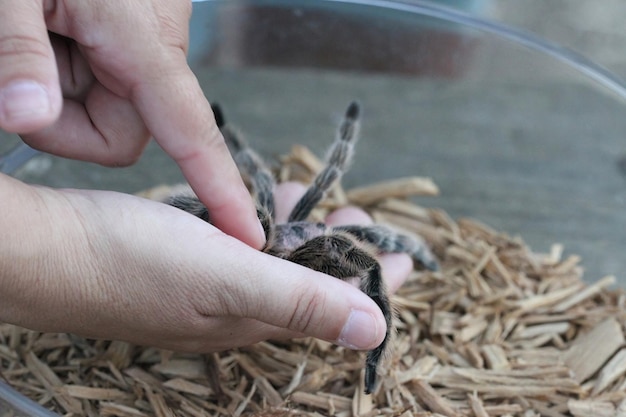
[
  {"x": 568, "y": 56},
  {"x": 22, "y": 404}
]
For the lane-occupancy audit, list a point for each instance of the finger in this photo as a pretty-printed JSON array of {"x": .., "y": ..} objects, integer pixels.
[
  {"x": 217, "y": 335},
  {"x": 189, "y": 133},
  {"x": 95, "y": 125},
  {"x": 191, "y": 137},
  {"x": 347, "y": 216},
  {"x": 138, "y": 52},
  {"x": 75, "y": 74},
  {"x": 30, "y": 97},
  {"x": 289, "y": 296},
  {"x": 245, "y": 332},
  {"x": 242, "y": 332},
  {"x": 396, "y": 269},
  {"x": 286, "y": 196},
  {"x": 105, "y": 129}
]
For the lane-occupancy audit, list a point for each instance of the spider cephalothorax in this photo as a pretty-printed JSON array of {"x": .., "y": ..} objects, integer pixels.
[{"x": 342, "y": 251}]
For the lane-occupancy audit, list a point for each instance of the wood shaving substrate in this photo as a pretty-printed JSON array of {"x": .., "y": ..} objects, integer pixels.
[{"x": 499, "y": 331}]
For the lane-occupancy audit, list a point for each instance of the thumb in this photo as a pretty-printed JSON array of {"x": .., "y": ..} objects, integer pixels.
[
  {"x": 290, "y": 296},
  {"x": 30, "y": 95}
]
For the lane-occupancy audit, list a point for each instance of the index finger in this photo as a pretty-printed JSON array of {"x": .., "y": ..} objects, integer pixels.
[
  {"x": 138, "y": 52},
  {"x": 191, "y": 137}
]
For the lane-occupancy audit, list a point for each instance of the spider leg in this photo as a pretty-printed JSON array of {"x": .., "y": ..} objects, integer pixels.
[
  {"x": 388, "y": 241},
  {"x": 374, "y": 286},
  {"x": 337, "y": 255},
  {"x": 252, "y": 167},
  {"x": 338, "y": 159},
  {"x": 190, "y": 204}
]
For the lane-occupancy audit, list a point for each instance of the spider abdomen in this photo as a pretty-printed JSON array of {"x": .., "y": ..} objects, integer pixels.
[{"x": 287, "y": 237}]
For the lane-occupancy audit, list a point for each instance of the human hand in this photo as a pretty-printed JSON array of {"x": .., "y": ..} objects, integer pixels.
[
  {"x": 92, "y": 80},
  {"x": 109, "y": 265}
]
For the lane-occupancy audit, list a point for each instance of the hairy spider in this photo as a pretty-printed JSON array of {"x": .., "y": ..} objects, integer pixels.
[{"x": 341, "y": 251}]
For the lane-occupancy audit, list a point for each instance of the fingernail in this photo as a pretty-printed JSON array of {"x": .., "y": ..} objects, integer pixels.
[
  {"x": 23, "y": 101},
  {"x": 359, "y": 332},
  {"x": 262, "y": 239},
  {"x": 262, "y": 230}
]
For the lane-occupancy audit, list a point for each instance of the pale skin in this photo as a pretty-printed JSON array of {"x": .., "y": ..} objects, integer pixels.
[{"x": 109, "y": 265}]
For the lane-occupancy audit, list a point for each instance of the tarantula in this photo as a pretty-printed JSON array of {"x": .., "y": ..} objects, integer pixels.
[{"x": 341, "y": 251}]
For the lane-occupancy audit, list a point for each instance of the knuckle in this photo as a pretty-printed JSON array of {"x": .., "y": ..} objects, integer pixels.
[
  {"x": 122, "y": 149},
  {"x": 309, "y": 306},
  {"x": 123, "y": 156},
  {"x": 173, "y": 28},
  {"x": 122, "y": 161},
  {"x": 24, "y": 45}
]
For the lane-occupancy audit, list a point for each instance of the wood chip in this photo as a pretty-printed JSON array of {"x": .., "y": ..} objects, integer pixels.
[
  {"x": 587, "y": 408},
  {"x": 92, "y": 393},
  {"x": 495, "y": 357},
  {"x": 590, "y": 291},
  {"x": 51, "y": 381},
  {"x": 188, "y": 387},
  {"x": 590, "y": 350},
  {"x": 400, "y": 188},
  {"x": 120, "y": 410},
  {"x": 321, "y": 401},
  {"x": 614, "y": 369},
  {"x": 433, "y": 400},
  {"x": 477, "y": 405}
]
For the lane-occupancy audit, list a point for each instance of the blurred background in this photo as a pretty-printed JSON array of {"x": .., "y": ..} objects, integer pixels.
[
  {"x": 515, "y": 109},
  {"x": 582, "y": 25}
]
